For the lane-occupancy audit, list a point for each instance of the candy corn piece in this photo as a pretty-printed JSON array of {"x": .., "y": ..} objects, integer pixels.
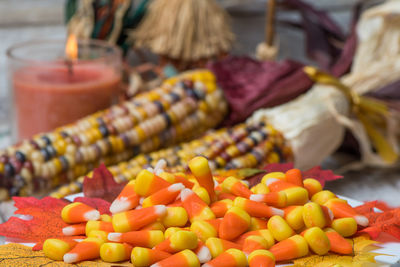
[
  {"x": 295, "y": 177},
  {"x": 261, "y": 258},
  {"x": 178, "y": 241},
  {"x": 185, "y": 258},
  {"x": 144, "y": 238},
  {"x": 258, "y": 224},
  {"x": 313, "y": 186},
  {"x": 265, "y": 233},
  {"x": 218, "y": 246},
  {"x": 55, "y": 249},
  {"x": 202, "y": 252},
  {"x": 254, "y": 242},
  {"x": 78, "y": 212},
  {"x": 163, "y": 196},
  {"x": 341, "y": 209},
  {"x": 295, "y": 195},
  {"x": 147, "y": 183},
  {"x": 206, "y": 229},
  {"x": 219, "y": 208},
  {"x": 74, "y": 229},
  {"x": 322, "y": 196},
  {"x": 338, "y": 243},
  {"x": 88, "y": 249},
  {"x": 98, "y": 225},
  {"x": 257, "y": 209},
  {"x": 201, "y": 171},
  {"x": 172, "y": 230},
  {"x": 115, "y": 252},
  {"x": 230, "y": 258},
  {"x": 293, "y": 247},
  {"x": 175, "y": 217},
  {"x": 135, "y": 219},
  {"x": 143, "y": 257},
  {"x": 313, "y": 215},
  {"x": 279, "y": 228},
  {"x": 294, "y": 217},
  {"x": 222, "y": 196},
  {"x": 275, "y": 175},
  {"x": 345, "y": 226},
  {"x": 317, "y": 240},
  {"x": 276, "y": 199},
  {"x": 196, "y": 208},
  {"x": 235, "y": 222},
  {"x": 105, "y": 218},
  {"x": 126, "y": 200},
  {"x": 236, "y": 187}
]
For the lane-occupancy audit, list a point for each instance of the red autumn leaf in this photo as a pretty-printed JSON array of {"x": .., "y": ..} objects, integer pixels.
[
  {"x": 387, "y": 221},
  {"x": 321, "y": 175},
  {"x": 100, "y": 204},
  {"x": 45, "y": 221},
  {"x": 102, "y": 185}
]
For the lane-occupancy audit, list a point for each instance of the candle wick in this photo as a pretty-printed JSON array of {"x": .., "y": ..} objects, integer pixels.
[{"x": 70, "y": 68}]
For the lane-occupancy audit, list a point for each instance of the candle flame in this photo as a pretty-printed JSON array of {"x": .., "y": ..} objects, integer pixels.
[{"x": 71, "y": 48}]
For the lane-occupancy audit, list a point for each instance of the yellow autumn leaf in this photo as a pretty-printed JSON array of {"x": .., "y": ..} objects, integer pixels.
[
  {"x": 23, "y": 256},
  {"x": 362, "y": 256}
]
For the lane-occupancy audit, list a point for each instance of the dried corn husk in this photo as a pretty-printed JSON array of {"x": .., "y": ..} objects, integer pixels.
[{"x": 187, "y": 30}]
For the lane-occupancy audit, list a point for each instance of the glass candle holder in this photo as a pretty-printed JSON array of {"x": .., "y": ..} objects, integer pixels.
[{"x": 49, "y": 91}]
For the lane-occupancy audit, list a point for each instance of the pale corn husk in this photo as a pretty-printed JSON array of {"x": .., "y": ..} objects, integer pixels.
[
  {"x": 82, "y": 23},
  {"x": 186, "y": 30},
  {"x": 309, "y": 123}
]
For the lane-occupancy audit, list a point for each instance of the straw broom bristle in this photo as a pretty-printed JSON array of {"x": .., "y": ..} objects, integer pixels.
[{"x": 186, "y": 30}]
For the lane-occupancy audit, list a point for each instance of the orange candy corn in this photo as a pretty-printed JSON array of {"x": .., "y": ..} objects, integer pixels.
[
  {"x": 276, "y": 199},
  {"x": 235, "y": 222},
  {"x": 279, "y": 228},
  {"x": 313, "y": 215},
  {"x": 163, "y": 196},
  {"x": 126, "y": 200},
  {"x": 185, "y": 258},
  {"x": 201, "y": 171},
  {"x": 178, "y": 241},
  {"x": 196, "y": 208},
  {"x": 135, "y": 219},
  {"x": 98, "y": 225},
  {"x": 202, "y": 252},
  {"x": 218, "y": 246},
  {"x": 313, "y": 186},
  {"x": 256, "y": 209},
  {"x": 222, "y": 196},
  {"x": 341, "y": 209},
  {"x": 154, "y": 226},
  {"x": 294, "y": 176},
  {"x": 254, "y": 242},
  {"x": 317, "y": 240},
  {"x": 296, "y": 195},
  {"x": 143, "y": 257},
  {"x": 294, "y": 217},
  {"x": 88, "y": 249},
  {"x": 181, "y": 178},
  {"x": 293, "y": 247},
  {"x": 74, "y": 229},
  {"x": 144, "y": 238},
  {"x": 322, "y": 196},
  {"x": 219, "y": 208},
  {"x": 147, "y": 183},
  {"x": 235, "y": 187},
  {"x": 261, "y": 258},
  {"x": 206, "y": 229},
  {"x": 338, "y": 243},
  {"x": 55, "y": 249},
  {"x": 78, "y": 212},
  {"x": 230, "y": 258},
  {"x": 115, "y": 252}
]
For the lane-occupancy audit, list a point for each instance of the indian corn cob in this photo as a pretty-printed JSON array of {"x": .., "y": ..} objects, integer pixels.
[
  {"x": 182, "y": 108},
  {"x": 242, "y": 146}
]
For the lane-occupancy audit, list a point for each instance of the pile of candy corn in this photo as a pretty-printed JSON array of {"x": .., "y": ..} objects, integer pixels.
[{"x": 183, "y": 220}]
